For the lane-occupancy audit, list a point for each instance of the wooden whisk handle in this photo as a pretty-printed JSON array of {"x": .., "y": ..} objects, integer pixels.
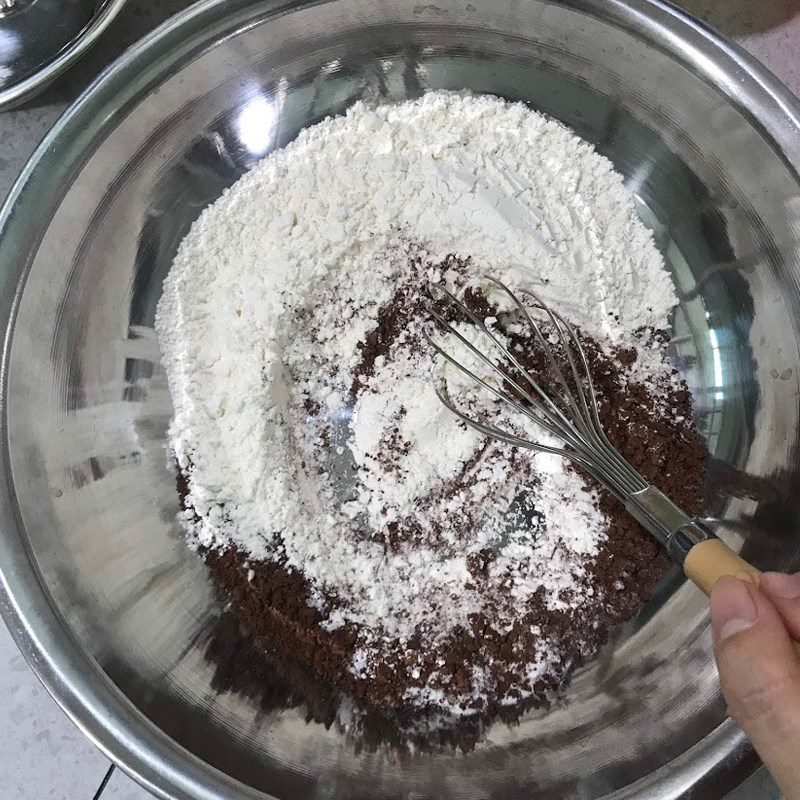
[
  {"x": 704, "y": 558},
  {"x": 711, "y": 560}
]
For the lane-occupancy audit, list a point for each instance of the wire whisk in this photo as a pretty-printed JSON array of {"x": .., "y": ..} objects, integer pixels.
[{"x": 565, "y": 405}]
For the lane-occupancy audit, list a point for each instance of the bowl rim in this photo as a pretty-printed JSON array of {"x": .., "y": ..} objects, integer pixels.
[
  {"x": 30, "y": 85},
  {"x": 77, "y": 683}
]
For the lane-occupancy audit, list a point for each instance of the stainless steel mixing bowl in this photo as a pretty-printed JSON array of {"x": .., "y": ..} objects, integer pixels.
[
  {"x": 113, "y": 612},
  {"x": 39, "y": 39}
]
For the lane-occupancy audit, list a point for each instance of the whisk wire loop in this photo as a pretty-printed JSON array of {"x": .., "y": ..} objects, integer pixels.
[
  {"x": 575, "y": 419},
  {"x": 556, "y": 422},
  {"x": 585, "y": 408},
  {"x": 529, "y": 412},
  {"x": 594, "y": 413}
]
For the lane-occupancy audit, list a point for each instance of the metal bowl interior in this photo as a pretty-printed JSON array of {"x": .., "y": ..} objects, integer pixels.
[{"x": 114, "y": 612}]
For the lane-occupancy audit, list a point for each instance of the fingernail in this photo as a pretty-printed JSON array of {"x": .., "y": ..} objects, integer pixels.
[
  {"x": 780, "y": 585},
  {"x": 732, "y": 608}
]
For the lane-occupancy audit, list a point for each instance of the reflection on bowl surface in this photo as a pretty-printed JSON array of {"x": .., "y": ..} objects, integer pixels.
[{"x": 119, "y": 618}]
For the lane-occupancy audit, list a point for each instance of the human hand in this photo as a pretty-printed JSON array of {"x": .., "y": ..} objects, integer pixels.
[{"x": 759, "y": 667}]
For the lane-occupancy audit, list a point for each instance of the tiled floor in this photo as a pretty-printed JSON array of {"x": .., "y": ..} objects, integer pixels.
[
  {"x": 42, "y": 754},
  {"x": 121, "y": 787}
]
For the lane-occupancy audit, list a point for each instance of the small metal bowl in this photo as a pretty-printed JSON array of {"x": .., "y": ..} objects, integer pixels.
[
  {"x": 120, "y": 620},
  {"x": 39, "y": 39}
]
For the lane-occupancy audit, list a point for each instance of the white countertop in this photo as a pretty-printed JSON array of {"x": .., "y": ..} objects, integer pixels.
[{"x": 43, "y": 755}]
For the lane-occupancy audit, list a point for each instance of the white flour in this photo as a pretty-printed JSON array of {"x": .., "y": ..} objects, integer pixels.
[{"x": 279, "y": 281}]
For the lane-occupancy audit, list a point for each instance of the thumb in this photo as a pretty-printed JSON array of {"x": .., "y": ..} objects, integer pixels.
[
  {"x": 784, "y": 593},
  {"x": 760, "y": 676}
]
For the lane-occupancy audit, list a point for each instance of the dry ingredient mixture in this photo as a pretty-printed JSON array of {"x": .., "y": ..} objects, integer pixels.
[{"x": 367, "y": 539}]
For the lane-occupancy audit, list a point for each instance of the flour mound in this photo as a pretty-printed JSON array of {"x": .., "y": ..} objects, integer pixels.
[{"x": 354, "y": 475}]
